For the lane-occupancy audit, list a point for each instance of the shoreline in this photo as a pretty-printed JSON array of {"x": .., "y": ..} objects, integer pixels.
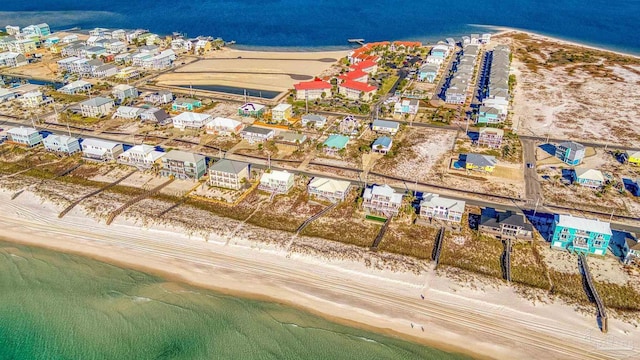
[{"x": 342, "y": 292}]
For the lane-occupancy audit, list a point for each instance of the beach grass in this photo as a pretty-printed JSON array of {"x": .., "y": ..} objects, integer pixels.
[
  {"x": 411, "y": 240},
  {"x": 527, "y": 267},
  {"x": 474, "y": 252}
]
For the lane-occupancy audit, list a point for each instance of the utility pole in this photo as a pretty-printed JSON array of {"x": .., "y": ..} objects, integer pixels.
[
  {"x": 611, "y": 217},
  {"x": 306, "y": 102},
  {"x": 536, "y": 208}
]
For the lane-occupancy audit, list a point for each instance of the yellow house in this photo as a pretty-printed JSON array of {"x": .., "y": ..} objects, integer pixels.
[
  {"x": 633, "y": 157},
  {"x": 478, "y": 162},
  {"x": 281, "y": 112}
]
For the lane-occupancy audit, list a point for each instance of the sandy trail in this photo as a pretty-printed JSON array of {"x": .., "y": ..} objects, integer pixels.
[{"x": 494, "y": 323}]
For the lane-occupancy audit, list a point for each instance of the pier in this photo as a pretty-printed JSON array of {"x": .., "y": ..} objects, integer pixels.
[{"x": 356, "y": 41}]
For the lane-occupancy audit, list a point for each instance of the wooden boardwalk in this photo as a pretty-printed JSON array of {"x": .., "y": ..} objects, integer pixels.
[
  {"x": 506, "y": 260},
  {"x": 437, "y": 247},
  {"x": 93, "y": 193},
  {"x": 315, "y": 216},
  {"x": 145, "y": 195},
  {"x": 378, "y": 239},
  {"x": 602, "y": 314}
]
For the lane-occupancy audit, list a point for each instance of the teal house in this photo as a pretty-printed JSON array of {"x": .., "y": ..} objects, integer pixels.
[
  {"x": 335, "y": 143},
  {"x": 428, "y": 73},
  {"x": 580, "y": 235},
  {"x": 488, "y": 115},
  {"x": 185, "y": 104}
]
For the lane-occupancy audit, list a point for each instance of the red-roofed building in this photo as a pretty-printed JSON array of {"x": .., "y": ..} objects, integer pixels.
[
  {"x": 367, "y": 66},
  {"x": 312, "y": 90},
  {"x": 352, "y": 90},
  {"x": 355, "y": 75}
]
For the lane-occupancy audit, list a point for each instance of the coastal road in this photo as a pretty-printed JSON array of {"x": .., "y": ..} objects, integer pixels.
[
  {"x": 316, "y": 286},
  {"x": 532, "y": 184}
]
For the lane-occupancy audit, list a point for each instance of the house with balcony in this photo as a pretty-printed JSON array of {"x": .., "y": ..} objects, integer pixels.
[
  {"x": 76, "y": 87},
  {"x": 156, "y": 115},
  {"x": 128, "y": 112},
  {"x": 276, "y": 181},
  {"x": 588, "y": 177},
  {"x": 334, "y": 144},
  {"x": 385, "y": 126},
  {"x": 223, "y": 126},
  {"x": 349, "y": 126},
  {"x": 505, "y": 225},
  {"x": 104, "y": 71},
  {"x": 312, "y": 90},
  {"x": 407, "y": 106},
  {"x": 382, "y": 145},
  {"x": 34, "y": 99},
  {"x": 101, "y": 150},
  {"x": 282, "y": 112},
  {"x": 428, "y": 72},
  {"x": 488, "y": 115},
  {"x": 96, "y": 107},
  {"x": 124, "y": 91},
  {"x": 183, "y": 165},
  {"x": 12, "y": 59},
  {"x": 477, "y": 162},
  {"x": 318, "y": 121},
  {"x": 185, "y": 104},
  {"x": 490, "y": 137},
  {"x": 434, "y": 206},
  {"x": 159, "y": 98},
  {"x": 382, "y": 199},
  {"x": 580, "y": 235},
  {"x": 570, "y": 152},
  {"x": 141, "y": 156},
  {"x": 254, "y": 134},
  {"x": 329, "y": 189},
  {"x": 229, "y": 174},
  {"x": 630, "y": 248},
  {"x": 354, "y": 90},
  {"x": 251, "y": 110},
  {"x": 191, "y": 120},
  {"x": 26, "y": 136},
  {"x": 61, "y": 144}
]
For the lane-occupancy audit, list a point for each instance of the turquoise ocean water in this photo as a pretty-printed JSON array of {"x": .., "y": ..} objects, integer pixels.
[{"x": 61, "y": 306}]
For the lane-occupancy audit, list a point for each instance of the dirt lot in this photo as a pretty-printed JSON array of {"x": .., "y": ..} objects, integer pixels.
[{"x": 573, "y": 92}]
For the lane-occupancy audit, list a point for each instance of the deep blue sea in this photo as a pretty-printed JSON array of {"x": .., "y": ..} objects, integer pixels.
[{"x": 328, "y": 23}]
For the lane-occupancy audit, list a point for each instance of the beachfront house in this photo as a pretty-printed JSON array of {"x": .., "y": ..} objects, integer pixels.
[
  {"x": 312, "y": 90},
  {"x": 406, "y": 106},
  {"x": 385, "y": 126},
  {"x": 282, "y": 112},
  {"x": 96, "y": 107},
  {"x": 382, "y": 199},
  {"x": 318, "y": 121},
  {"x": 61, "y": 144},
  {"x": 183, "y": 165},
  {"x": 276, "y": 181},
  {"x": 141, "y": 156},
  {"x": 27, "y": 136},
  {"x": 254, "y": 134},
  {"x": 229, "y": 174},
  {"x": 478, "y": 162},
  {"x": 191, "y": 120},
  {"x": 128, "y": 112},
  {"x": 490, "y": 137},
  {"x": 101, "y": 150},
  {"x": 505, "y": 225},
  {"x": 223, "y": 126},
  {"x": 382, "y": 145},
  {"x": 155, "y": 115},
  {"x": 630, "y": 248},
  {"x": 580, "y": 235},
  {"x": 433, "y": 206},
  {"x": 570, "y": 152},
  {"x": 124, "y": 91},
  {"x": 588, "y": 177},
  {"x": 329, "y": 189},
  {"x": 355, "y": 90},
  {"x": 251, "y": 109},
  {"x": 334, "y": 144},
  {"x": 159, "y": 98},
  {"x": 75, "y": 87},
  {"x": 633, "y": 157},
  {"x": 185, "y": 104}
]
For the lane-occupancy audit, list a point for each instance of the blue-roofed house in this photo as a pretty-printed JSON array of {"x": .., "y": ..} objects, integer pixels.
[
  {"x": 386, "y": 127},
  {"x": 382, "y": 145},
  {"x": 580, "y": 234}
]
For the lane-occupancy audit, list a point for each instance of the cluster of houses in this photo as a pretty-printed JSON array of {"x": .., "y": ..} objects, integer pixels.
[
  {"x": 432, "y": 64},
  {"x": 460, "y": 80},
  {"x": 21, "y": 41},
  {"x": 28, "y": 96},
  {"x": 494, "y": 94}
]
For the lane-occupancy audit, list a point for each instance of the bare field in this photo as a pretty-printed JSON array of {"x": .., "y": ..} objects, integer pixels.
[{"x": 573, "y": 92}]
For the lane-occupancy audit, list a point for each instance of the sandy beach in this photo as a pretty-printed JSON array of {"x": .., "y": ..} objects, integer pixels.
[
  {"x": 261, "y": 70},
  {"x": 482, "y": 321}
]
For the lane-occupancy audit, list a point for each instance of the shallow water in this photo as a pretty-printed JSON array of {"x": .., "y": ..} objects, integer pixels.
[{"x": 61, "y": 306}]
